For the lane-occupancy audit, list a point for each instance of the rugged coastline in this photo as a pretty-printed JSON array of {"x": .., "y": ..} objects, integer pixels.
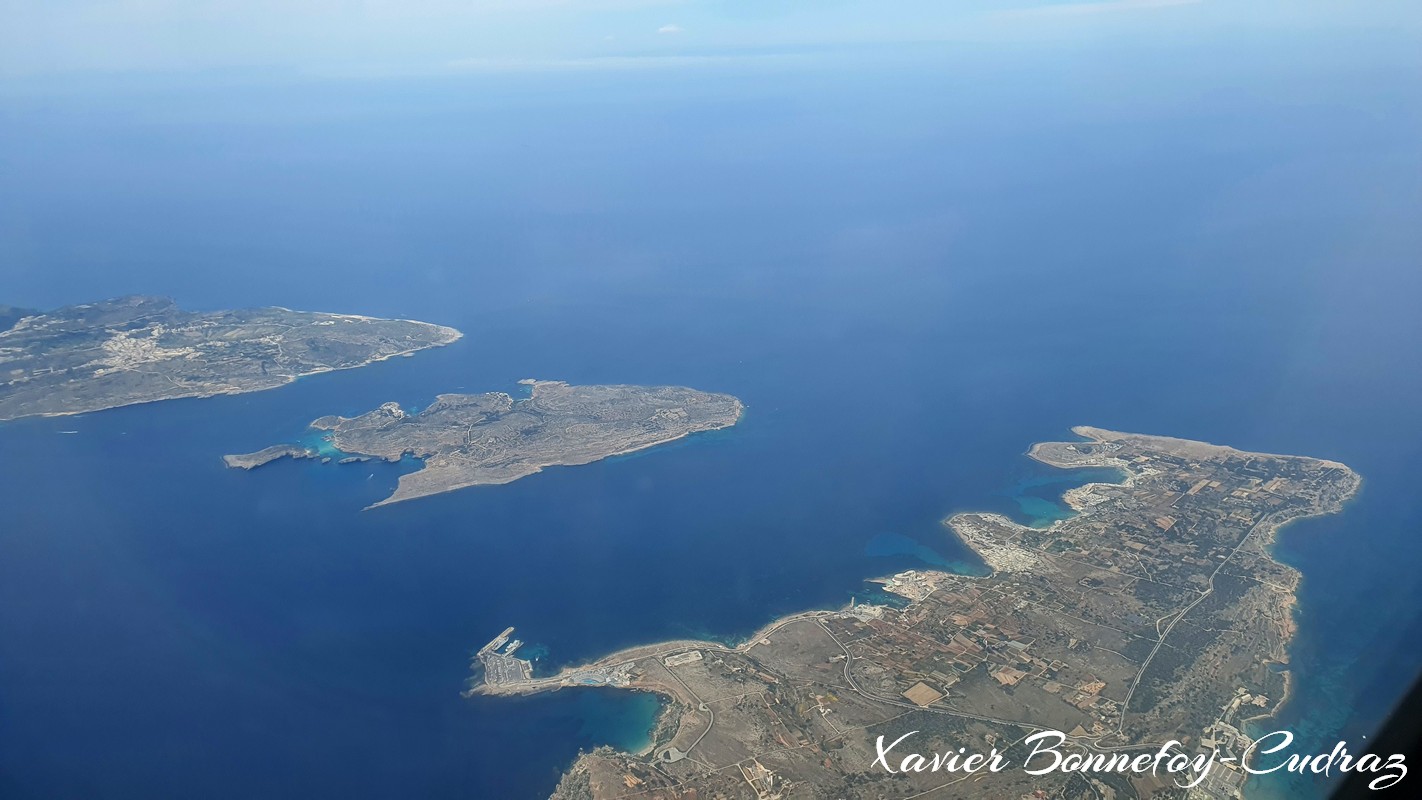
[
  {"x": 1155, "y": 612},
  {"x": 132, "y": 350},
  {"x": 469, "y": 440}
]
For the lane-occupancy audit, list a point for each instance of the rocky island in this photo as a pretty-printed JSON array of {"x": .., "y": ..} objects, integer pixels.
[
  {"x": 1155, "y": 613},
  {"x": 493, "y": 438},
  {"x": 140, "y": 349}
]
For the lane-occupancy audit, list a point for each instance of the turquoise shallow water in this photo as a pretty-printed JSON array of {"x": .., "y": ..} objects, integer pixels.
[
  {"x": 907, "y": 277},
  {"x": 1039, "y": 496},
  {"x": 889, "y": 545}
]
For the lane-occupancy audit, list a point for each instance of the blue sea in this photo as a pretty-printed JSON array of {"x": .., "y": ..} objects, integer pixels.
[{"x": 909, "y": 264}]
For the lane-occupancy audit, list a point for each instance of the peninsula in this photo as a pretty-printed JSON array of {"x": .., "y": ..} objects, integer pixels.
[
  {"x": 141, "y": 349},
  {"x": 1155, "y": 613},
  {"x": 492, "y": 438}
]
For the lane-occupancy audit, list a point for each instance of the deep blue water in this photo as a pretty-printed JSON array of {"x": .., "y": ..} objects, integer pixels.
[{"x": 909, "y": 271}]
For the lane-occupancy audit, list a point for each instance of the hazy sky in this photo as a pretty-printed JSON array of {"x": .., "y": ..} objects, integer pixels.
[{"x": 65, "y": 36}]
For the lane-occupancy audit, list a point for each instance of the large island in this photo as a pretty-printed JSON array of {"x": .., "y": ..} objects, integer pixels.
[
  {"x": 493, "y": 438},
  {"x": 1155, "y": 613},
  {"x": 140, "y": 349}
]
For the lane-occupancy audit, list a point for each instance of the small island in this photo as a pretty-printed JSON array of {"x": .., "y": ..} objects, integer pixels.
[
  {"x": 492, "y": 438},
  {"x": 138, "y": 349}
]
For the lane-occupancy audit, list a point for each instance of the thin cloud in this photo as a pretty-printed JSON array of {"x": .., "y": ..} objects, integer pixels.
[
  {"x": 1103, "y": 7},
  {"x": 478, "y": 65},
  {"x": 671, "y": 29}
]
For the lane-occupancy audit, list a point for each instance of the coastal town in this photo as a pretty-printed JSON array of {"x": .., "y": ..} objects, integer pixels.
[
  {"x": 1155, "y": 613},
  {"x": 139, "y": 349}
]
